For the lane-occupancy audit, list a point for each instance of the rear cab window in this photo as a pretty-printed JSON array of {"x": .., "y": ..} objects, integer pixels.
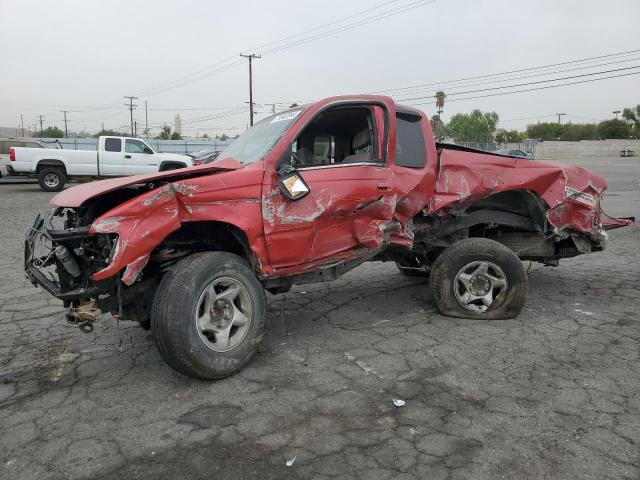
[
  {"x": 410, "y": 145},
  {"x": 113, "y": 144}
]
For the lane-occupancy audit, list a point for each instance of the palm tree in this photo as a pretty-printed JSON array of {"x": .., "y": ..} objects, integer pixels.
[{"x": 440, "y": 96}]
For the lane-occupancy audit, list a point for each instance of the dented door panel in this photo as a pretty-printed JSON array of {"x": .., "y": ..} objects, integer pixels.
[{"x": 329, "y": 219}]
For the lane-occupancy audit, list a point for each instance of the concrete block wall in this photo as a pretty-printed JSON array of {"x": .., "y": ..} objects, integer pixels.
[{"x": 585, "y": 149}]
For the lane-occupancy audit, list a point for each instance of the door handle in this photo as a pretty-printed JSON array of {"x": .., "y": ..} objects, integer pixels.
[
  {"x": 127, "y": 156},
  {"x": 384, "y": 187}
]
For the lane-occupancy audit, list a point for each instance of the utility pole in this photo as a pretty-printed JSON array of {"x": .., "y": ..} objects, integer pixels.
[
  {"x": 135, "y": 128},
  {"x": 560, "y": 115},
  {"x": 131, "y": 105},
  {"x": 250, "y": 57},
  {"x": 146, "y": 120},
  {"x": 616, "y": 112},
  {"x": 66, "y": 135},
  {"x": 41, "y": 117}
]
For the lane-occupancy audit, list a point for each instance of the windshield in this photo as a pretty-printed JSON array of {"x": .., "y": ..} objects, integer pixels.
[{"x": 256, "y": 142}]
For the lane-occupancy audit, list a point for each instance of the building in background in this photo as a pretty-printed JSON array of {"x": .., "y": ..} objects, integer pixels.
[
  {"x": 178, "y": 126},
  {"x": 14, "y": 132}
]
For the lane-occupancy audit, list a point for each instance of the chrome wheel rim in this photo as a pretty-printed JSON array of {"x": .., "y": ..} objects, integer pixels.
[
  {"x": 51, "y": 180},
  {"x": 223, "y": 314},
  {"x": 478, "y": 284}
]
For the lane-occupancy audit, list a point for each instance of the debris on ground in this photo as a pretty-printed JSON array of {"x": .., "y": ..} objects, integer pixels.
[
  {"x": 399, "y": 403},
  {"x": 291, "y": 461}
]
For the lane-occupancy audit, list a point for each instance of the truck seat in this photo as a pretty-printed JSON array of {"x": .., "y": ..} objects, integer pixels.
[{"x": 360, "y": 143}]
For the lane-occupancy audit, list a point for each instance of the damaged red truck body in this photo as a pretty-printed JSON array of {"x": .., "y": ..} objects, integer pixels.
[{"x": 302, "y": 197}]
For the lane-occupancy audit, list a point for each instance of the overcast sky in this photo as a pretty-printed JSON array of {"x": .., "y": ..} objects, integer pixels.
[{"x": 85, "y": 55}]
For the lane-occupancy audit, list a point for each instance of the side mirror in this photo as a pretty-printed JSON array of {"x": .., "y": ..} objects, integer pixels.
[{"x": 293, "y": 186}]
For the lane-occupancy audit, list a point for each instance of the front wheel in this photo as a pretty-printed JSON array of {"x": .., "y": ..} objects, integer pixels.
[
  {"x": 479, "y": 278},
  {"x": 208, "y": 315},
  {"x": 51, "y": 179}
]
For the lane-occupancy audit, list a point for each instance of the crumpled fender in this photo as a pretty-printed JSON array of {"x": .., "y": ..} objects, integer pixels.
[
  {"x": 141, "y": 223},
  {"x": 571, "y": 193}
]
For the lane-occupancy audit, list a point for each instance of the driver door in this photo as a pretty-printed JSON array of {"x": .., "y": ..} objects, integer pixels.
[{"x": 345, "y": 214}]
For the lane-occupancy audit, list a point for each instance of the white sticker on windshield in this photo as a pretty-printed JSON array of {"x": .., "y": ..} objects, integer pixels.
[{"x": 285, "y": 116}]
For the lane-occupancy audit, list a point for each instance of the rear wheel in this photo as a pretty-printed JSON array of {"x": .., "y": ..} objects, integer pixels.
[
  {"x": 208, "y": 315},
  {"x": 51, "y": 179},
  {"x": 479, "y": 278}
]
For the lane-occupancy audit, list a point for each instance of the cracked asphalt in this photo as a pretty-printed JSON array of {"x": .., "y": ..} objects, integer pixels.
[{"x": 553, "y": 394}]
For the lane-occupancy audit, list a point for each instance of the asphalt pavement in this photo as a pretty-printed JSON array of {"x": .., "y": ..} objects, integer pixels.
[{"x": 553, "y": 394}]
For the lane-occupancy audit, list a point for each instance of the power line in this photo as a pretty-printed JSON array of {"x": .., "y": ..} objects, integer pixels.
[
  {"x": 455, "y": 84},
  {"x": 444, "y": 82},
  {"x": 546, "y": 87},
  {"x": 524, "y": 84},
  {"x": 210, "y": 70},
  {"x": 366, "y": 21},
  {"x": 334, "y": 22}
]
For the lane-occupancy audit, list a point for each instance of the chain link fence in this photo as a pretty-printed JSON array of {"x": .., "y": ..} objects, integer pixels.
[{"x": 167, "y": 146}]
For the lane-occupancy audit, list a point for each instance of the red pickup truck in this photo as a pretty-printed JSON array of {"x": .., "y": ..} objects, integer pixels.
[{"x": 302, "y": 197}]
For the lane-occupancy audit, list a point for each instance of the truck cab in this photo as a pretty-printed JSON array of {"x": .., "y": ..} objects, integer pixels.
[{"x": 133, "y": 156}]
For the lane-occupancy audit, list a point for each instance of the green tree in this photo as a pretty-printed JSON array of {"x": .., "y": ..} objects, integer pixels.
[
  {"x": 109, "y": 133},
  {"x": 206, "y": 135},
  {"x": 473, "y": 127},
  {"x": 437, "y": 127},
  {"x": 511, "y": 136},
  {"x": 614, "y": 128},
  {"x": 224, "y": 137},
  {"x": 165, "y": 134},
  {"x": 545, "y": 130},
  {"x": 563, "y": 131},
  {"x": 176, "y": 136},
  {"x": 440, "y": 97},
  {"x": 632, "y": 115},
  {"x": 50, "y": 132}
]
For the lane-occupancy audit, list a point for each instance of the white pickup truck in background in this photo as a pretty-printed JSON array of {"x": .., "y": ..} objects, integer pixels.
[{"x": 116, "y": 157}]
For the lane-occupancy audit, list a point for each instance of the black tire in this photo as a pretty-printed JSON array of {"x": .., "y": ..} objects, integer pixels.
[
  {"x": 507, "y": 302},
  {"x": 174, "y": 308},
  {"x": 412, "y": 272},
  {"x": 51, "y": 179}
]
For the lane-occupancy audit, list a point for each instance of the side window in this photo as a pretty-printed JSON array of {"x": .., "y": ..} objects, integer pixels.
[
  {"x": 113, "y": 145},
  {"x": 33, "y": 145},
  {"x": 337, "y": 136},
  {"x": 136, "y": 146},
  {"x": 410, "y": 145}
]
